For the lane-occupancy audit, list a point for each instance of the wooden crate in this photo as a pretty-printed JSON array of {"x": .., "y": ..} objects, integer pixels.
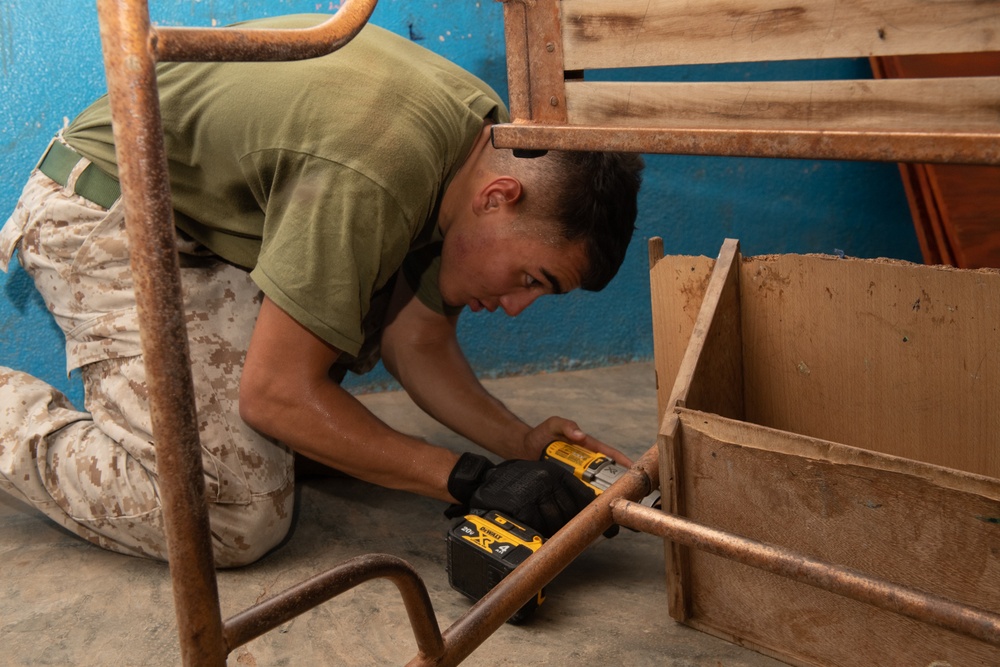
[{"x": 847, "y": 409}]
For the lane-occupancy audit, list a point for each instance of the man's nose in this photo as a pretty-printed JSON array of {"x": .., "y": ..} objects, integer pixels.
[{"x": 515, "y": 303}]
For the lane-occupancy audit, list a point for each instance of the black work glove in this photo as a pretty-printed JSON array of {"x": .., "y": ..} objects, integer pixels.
[{"x": 540, "y": 494}]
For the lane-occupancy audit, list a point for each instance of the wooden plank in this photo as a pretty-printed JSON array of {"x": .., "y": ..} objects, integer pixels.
[
  {"x": 696, "y": 339},
  {"x": 654, "y": 250},
  {"x": 672, "y": 501},
  {"x": 958, "y": 104},
  {"x": 717, "y": 383},
  {"x": 636, "y": 33},
  {"x": 888, "y": 146},
  {"x": 889, "y": 356},
  {"x": 914, "y": 524},
  {"x": 677, "y": 286},
  {"x": 710, "y": 372}
]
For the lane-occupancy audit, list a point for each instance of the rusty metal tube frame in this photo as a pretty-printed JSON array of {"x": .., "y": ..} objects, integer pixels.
[
  {"x": 916, "y": 604},
  {"x": 493, "y": 610},
  {"x": 246, "y": 44},
  {"x": 966, "y": 148},
  {"x": 285, "y": 606},
  {"x": 135, "y": 110},
  {"x": 129, "y": 45}
]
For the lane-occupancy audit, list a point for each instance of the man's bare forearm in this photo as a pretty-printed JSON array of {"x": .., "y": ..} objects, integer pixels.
[
  {"x": 439, "y": 380},
  {"x": 286, "y": 393}
]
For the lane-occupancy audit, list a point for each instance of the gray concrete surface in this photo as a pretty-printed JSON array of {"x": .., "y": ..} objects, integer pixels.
[{"x": 64, "y": 602}]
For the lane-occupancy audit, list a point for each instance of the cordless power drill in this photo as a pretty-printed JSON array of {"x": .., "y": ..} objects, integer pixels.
[{"x": 482, "y": 550}]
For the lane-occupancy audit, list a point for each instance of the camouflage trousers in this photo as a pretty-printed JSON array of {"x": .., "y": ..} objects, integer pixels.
[{"x": 94, "y": 472}]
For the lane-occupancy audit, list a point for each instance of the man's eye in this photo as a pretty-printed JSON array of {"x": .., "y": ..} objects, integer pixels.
[{"x": 530, "y": 281}]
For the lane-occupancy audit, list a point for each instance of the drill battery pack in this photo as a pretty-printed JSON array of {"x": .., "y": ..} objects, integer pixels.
[{"x": 482, "y": 550}]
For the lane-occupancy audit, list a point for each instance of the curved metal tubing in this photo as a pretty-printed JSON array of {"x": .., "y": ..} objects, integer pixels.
[
  {"x": 850, "y": 583},
  {"x": 256, "y": 44},
  {"x": 285, "y": 606}
]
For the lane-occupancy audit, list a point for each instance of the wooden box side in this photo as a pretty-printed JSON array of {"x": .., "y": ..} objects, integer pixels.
[
  {"x": 931, "y": 528},
  {"x": 696, "y": 332},
  {"x": 888, "y": 356},
  {"x": 677, "y": 286}
]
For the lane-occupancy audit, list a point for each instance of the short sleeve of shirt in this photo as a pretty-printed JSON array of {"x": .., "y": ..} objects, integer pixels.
[{"x": 331, "y": 238}]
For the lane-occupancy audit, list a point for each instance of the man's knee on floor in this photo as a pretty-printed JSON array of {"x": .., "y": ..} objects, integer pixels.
[{"x": 242, "y": 534}]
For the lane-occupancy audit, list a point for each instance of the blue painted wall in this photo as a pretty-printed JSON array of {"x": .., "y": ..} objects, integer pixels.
[{"x": 51, "y": 69}]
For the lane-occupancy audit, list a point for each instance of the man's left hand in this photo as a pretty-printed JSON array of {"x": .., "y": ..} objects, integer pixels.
[{"x": 558, "y": 428}]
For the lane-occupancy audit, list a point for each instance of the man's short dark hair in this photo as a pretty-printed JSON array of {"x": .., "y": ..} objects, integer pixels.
[{"x": 592, "y": 197}]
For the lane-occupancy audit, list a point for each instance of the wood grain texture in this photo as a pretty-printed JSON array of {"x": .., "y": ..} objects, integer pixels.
[
  {"x": 893, "y": 357},
  {"x": 917, "y": 525},
  {"x": 695, "y": 311},
  {"x": 870, "y": 440},
  {"x": 672, "y": 500},
  {"x": 714, "y": 375},
  {"x": 959, "y": 104},
  {"x": 694, "y": 299},
  {"x": 930, "y": 121},
  {"x": 677, "y": 286},
  {"x": 710, "y": 370},
  {"x": 637, "y": 33},
  {"x": 518, "y": 75}
]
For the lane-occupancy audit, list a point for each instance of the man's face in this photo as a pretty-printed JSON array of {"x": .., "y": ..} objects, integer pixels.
[{"x": 507, "y": 264}]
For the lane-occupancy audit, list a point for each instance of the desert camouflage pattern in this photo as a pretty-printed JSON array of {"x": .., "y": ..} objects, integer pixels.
[{"x": 94, "y": 471}]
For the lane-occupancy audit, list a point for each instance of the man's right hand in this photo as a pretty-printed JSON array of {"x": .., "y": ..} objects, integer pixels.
[{"x": 540, "y": 494}]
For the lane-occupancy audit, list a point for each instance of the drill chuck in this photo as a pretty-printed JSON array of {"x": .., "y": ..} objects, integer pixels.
[{"x": 595, "y": 470}]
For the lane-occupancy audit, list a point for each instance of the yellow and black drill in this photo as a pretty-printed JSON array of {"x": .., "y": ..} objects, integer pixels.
[{"x": 482, "y": 550}]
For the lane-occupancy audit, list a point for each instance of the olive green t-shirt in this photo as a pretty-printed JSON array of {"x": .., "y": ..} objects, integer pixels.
[{"x": 320, "y": 176}]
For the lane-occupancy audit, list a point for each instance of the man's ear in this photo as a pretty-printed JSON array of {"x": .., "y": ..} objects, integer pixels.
[{"x": 500, "y": 191}]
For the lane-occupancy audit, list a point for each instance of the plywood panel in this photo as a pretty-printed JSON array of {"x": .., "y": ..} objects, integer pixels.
[
  {"x": 697, "y": 336},
  {"x": 676, "y": 556},
  {"x": 635, "y": 33},
  {"x": 677, "y": 286},
  {"x": 710, "y": 372},
  {"x": 959, "y": 104},
  {"x": 715, "y": 382},
  {"x": 917, "y": 525},
  {"x": 889, "y": 356}
]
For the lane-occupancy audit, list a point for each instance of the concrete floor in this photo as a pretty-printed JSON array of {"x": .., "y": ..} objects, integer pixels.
[{"x": 64, "y": 602}]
